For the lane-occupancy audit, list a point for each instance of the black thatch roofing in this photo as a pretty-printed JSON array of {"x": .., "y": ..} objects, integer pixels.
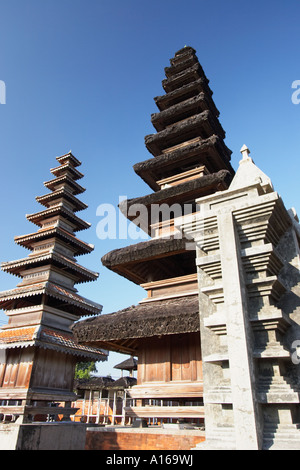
[
  {"x": 179, "y": 132},
  {"x": 184, "y": 76},
  {"x": 149, "y": 319},
  {"x": 153, "y": 260},
  {"x": 181, "y": 193},
  {"x": 181, "y": 62},
  {"x": 143, "y": 251},
  {"x": 100, "y": 383},
  {"x": 211, "y": 152},
  {"x": 128, "y": 364},
  {"x": 195, "y": 105},
  {"x": 183, "y": 153},
  {"x": 123, "y": 382},
  {"x": 94, "y": 383},
  {"x": 180, "y": 94}
]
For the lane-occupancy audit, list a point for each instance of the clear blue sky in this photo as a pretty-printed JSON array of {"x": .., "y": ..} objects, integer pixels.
[{"x": 82, "y": 75}]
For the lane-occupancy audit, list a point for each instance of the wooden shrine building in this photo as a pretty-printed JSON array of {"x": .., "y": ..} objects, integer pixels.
[
  {"x": 189, "y": 160},
  {"x": 37, "y": 346},
  {"x": 102, "y": 400}
]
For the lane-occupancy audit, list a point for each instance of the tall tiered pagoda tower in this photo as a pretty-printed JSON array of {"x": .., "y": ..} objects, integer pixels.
[
  {"x": 39, "y": 352},
  {"x": 189, "y": 160}
]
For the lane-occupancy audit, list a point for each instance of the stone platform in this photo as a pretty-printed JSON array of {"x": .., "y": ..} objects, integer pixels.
[{"x": 43, "y": 436}]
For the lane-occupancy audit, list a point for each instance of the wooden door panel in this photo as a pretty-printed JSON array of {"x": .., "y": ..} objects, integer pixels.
[{"x": 170, "y": 358}]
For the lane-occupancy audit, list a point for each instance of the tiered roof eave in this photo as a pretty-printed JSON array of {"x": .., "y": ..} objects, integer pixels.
[
  {"x": 17, "y": 266},
  {"x": 124, "y": 329},
  {"x": 53, "y": 183},
  {"x": 84, "y": 307},
  {"x": 38, "y": 217},
  {"x": 212, "y": 152},
  {"x": 65, "y": 195},
  {"x": 69, "y": 157},
  {"x": 79, "y": 246}
]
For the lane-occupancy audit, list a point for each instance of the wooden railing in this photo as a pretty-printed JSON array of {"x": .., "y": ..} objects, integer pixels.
[
  {"x": 153, "y": 411},
  {"x": 28, "y": 412},
  {"x": 177, "y": 400}
]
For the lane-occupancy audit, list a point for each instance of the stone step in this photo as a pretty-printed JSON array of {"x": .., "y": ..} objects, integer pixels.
[
  {"x": 283, "y": 444},
  {"x": 282, "y": 437}
]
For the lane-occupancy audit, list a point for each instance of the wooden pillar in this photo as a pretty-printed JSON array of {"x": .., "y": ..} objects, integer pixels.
[
  {"x": 89, "y": 407},
  {"x": 114, "y": 408},
  {"x": 123, "y": 408},
  {"x": 99, "y": 406}
]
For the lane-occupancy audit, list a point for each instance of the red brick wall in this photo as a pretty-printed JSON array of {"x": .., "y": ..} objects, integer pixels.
[{"x": 114, "y": 440}]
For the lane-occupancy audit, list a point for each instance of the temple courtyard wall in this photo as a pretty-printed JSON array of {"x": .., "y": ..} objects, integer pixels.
[
  {"x": 121, "y": 438},
  {"x": 79, "y": 436},
  {"x": 43, "y": 436}
]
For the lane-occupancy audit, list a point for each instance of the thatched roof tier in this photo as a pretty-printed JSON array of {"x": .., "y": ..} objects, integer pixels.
[
  {"x": 201, "y": 125},
  {"x": 104, "y": 383},
  {"x": 129, "y": 364},
  {"x": 183, "y": 59},
  {"x": 194, "y": 105},
  {"x": 144, "y": 251},
  {"x": 183, "y": 77},
  {"x": 121, "y": 331},
  {"x": 152, "y": 260},
  {"x": 184, "y": 92},
  {"x": 123, "y": 383},
  {"x": 182, "y": 193},
  {"x": 211, "y": 152},
  {"x": 93, "y": 383}
]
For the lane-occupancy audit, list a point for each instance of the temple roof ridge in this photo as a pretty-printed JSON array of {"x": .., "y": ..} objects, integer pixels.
[
  {"x": 15, "y": 265},
  {"x": 53, "y": 290},
  {"x": 36, "y": 217},
  {"x": 62, "y": 192},
  {"x": 77, "y": 188},
  {"x": 24, "y": 240},
  {"x": 69, "y": 156},
  {"x": 68, "y": 167}
]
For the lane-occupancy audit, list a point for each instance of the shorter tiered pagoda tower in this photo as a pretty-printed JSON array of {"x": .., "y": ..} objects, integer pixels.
[{"x": 40, "y": 353}]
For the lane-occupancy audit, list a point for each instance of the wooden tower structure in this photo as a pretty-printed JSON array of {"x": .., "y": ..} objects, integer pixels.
[
  {"x": 189, "y": 160},
  {"x": 38, "y": 350}
]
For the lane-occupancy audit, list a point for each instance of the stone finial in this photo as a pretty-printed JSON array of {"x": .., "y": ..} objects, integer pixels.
[
  {"x": 248, "y": 173},
  {"x": 245, "y": 152}
]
